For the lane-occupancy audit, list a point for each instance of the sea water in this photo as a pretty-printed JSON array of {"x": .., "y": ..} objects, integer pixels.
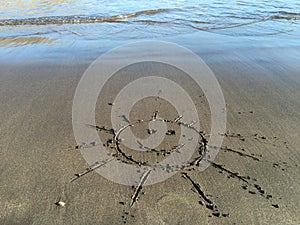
[{"x": 53, "y": 27}]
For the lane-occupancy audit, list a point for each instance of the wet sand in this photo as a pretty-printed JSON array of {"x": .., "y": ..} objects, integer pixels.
[{"x": 255, "y": 178}]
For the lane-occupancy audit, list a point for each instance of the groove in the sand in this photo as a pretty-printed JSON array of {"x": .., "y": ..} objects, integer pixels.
[
  {"x": 93, "y": 167},
  {"x": 239, "y": 153},
  {"x": 115, "y": 143},
  {"x": 228, "y": 171},
  {"x": 198, "y": 188},
  {"x": 139, "y": 187}
]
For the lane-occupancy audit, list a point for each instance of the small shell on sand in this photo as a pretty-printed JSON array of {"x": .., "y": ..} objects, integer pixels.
[{"x": 60, "y": 204}]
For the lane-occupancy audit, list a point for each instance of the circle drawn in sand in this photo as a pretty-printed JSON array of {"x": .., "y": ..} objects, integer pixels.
[{"x": 103, "y": 68}]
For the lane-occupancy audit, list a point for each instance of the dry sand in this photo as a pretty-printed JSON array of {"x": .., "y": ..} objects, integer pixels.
[{"x": 263, "y": 105}]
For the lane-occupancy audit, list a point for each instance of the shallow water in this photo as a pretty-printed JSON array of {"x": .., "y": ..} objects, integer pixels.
[{"x": 82, "y": 24}]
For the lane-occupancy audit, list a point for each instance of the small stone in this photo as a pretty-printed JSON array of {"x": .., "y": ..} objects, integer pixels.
[
  {"x": 171, "y": 132},
  {"x": 269, "y": 196},
  {"x": 257, "y": 186},
  {"x": 151, "y": 131},
  {"x": 216, "y": 214},
  {"x": 211, "y": 207},
  {"x": 60, "y": 204}
]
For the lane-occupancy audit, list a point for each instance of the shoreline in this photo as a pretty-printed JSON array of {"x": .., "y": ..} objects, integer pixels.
[{"x": 30, "y": 49}]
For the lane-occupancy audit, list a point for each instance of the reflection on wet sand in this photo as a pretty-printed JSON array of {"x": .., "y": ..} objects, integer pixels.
[
  {"x": 30, "y": 7},
  {"x": 21, "y": 41},
  {"x": 30, "y": 3}
]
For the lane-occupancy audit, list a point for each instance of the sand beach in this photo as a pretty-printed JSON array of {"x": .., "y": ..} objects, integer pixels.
[{"x": 255, "y": 178}]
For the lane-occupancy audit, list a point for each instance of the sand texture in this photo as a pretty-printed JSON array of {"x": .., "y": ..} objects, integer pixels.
[{"x": 255, "y": 178}]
